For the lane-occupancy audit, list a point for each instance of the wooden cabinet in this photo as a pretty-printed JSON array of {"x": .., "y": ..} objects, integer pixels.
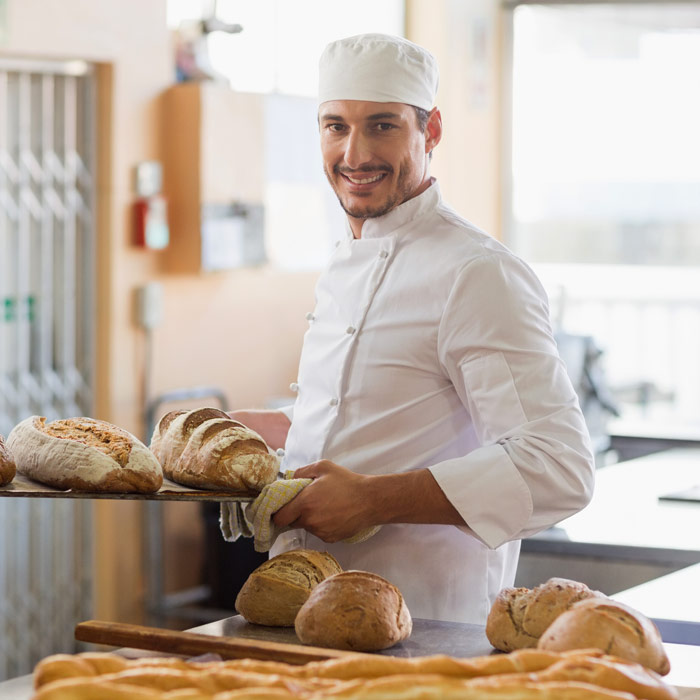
[{"x": 213, "y": 163}]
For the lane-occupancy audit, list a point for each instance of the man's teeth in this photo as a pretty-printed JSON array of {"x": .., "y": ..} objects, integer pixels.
[{"x": 366, "y": 180}]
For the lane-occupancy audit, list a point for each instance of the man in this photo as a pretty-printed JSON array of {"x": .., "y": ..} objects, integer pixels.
[{"x": 431, "y": 398}]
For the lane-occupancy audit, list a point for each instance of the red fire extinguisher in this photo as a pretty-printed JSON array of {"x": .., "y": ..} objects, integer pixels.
[{"x": 150, "y": 208}]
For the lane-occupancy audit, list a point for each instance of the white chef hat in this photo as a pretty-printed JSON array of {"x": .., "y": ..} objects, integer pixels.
[{"x": 378, "y": 68}]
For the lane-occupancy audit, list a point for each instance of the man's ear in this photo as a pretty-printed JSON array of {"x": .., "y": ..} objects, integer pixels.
[{"x": 433, "y": 130}]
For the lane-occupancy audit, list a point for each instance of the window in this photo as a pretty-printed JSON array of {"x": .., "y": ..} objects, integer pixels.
[{"x": 605, "y": 190}]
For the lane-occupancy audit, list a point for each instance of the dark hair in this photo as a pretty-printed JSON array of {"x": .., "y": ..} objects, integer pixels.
[{"x": 422, "y": 116}]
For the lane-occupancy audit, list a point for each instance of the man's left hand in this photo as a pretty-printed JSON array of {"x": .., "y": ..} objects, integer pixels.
[{"x": 335, "y": 506}]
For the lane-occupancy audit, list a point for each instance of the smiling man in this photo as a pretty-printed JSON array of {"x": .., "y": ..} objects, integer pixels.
[{"x": 431, "y": 398}]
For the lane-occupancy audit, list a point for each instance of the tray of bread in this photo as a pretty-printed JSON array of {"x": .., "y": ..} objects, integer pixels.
[{"x": 195, "y": 455}]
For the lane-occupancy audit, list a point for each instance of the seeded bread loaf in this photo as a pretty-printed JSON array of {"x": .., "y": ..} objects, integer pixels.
[
  {"x": 519, "y": 616},
  {"x": 205, "y": 448},
  {"x": 615, "y": 628},
  {"x": 354, "y": 610},
  {"x": 7, "y": 464},
  {"x": 273, "y": 594},
  {"x": 83, "y": 454}
]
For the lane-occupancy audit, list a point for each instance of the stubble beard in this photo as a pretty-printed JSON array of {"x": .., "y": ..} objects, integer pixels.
[{"x": 401, "y": 194}]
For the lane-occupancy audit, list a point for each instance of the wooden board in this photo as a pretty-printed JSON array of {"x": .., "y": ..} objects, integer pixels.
[
  {"x": 22, "y": 487},
  {"x": 192, "y": 644}
]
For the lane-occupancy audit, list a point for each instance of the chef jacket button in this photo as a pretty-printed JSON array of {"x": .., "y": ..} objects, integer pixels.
[
  {"x": 296, "y": 542},
  {"x": 350, "y": 330},
  {"x": 280, "y": 452},
  {"x": 383, "y": 253},
  {"x": 294, "y": 387},
  {"x": 333, "y": 402},
  {"x": 310, "y": 316}
]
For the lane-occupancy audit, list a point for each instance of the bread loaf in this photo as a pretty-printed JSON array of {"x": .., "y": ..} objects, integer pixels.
[
  {"x": 354, "y": 610},
  {"x": 83, "y": 454},
  {"x": 205, "y": 448},
  {"x": 615, "y": 628},
  {"x": 564, "y": 676},
  {"x": 519, "y": 616},
  {"x": 7, "y": 464},
  {"x": 273, "y": 594}
]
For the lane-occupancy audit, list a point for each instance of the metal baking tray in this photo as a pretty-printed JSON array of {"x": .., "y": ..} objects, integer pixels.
[{"x": 22, "y": 487}]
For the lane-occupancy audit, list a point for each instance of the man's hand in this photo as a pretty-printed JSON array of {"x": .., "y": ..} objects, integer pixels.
[{"x": 336, "y": 505}]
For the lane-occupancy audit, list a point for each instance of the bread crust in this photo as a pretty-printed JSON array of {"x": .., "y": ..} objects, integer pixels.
[
  {"x": 84, "y": 454},
  {"x": 566, "y": 676},
  {"x": 274, "y": 593},
  {"x": 354, "y": 610},
  {"x": 519, "y": 616},
  {"x": 613, "y": 627},
  {"x": 205, "y": 448},
  {"x": 8, "y": 468}
]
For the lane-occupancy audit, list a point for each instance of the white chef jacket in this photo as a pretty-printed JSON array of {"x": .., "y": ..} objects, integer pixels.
[{"x": 430, "y": 346}]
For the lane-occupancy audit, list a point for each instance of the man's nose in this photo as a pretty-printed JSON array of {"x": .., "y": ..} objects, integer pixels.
[{"x": 357, "y": 150}]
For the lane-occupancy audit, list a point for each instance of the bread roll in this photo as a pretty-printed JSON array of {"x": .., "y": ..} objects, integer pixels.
[
  {"x": 84, "y": 454},
  {"x": 273, "y": 594},
  {"x": 615, "y": 628},
  {"x": 354, "y": 610},
  {"x": 205, "y": 448},
  {"x": 519, "y": 616},
  {"x": 7, "y": 464}
]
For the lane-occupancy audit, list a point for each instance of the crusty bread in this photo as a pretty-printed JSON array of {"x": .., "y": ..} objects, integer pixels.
[
  {"x": 615, "y": 628},
  {"x": 553, "y": 676},
  {"x": 205, "y": 448},
  {"x": 354, "y": 610},
  {"x": 273, "y": 594},
  {"x": 519, "y": 616},
  {"x": 83, "y": 454},
  {"x": 7, "y": 464}
]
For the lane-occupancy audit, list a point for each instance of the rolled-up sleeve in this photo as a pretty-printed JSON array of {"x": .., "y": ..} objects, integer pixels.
[{"x": 533, "y": 466}]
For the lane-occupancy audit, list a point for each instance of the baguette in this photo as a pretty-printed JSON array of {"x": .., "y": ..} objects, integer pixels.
[
  {"x": 7, "y": 464},
  {"x": 205, "y": 448},
  {"x": 84, "y": 454},
  {"x": 567, "y": 676}
]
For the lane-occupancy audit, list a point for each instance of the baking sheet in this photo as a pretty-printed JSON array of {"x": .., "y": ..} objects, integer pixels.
[
  {"x": 22, "y": 487},
  {"x": 427, "y": 637}
]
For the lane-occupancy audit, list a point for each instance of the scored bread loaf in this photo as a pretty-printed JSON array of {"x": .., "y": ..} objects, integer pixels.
[
  {"x": 7, "y": 464},
  {"x": 273, "y": 594},
  {"x": 83, "y": 454},
  {"x": 617, "y": 629},
  {"x": 354, "y": 610},
  {"x": 519, "y": 616},
  {"x": 205, "y": 448}
]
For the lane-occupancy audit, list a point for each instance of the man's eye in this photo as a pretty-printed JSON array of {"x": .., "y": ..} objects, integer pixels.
[
  {"x": 334, "y": 127},
  {"x": 384, "y": 126}
]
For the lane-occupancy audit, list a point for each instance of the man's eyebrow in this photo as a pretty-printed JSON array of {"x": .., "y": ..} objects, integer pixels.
[
  {"x": 331, "y": 118},
  {"x": 383, "y": 115}
]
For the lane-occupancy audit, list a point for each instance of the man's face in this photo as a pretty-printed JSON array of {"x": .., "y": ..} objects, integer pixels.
[{"x": 375, "y": 155}]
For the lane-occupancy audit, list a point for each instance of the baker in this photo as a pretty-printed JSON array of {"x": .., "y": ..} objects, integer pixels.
[{"x": 431, "y": 398}]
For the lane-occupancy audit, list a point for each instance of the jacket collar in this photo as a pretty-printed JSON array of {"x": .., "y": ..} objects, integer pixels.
[{"x": 402, "y": 215}]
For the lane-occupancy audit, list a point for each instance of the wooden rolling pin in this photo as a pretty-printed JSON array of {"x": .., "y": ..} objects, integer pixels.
[{"x": 192, "y": 644}]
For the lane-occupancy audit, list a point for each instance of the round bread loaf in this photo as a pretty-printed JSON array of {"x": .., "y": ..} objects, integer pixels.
[
  {"x": 273, "y": 594},
  {"x": 615, "y": 628},
  {"x": 354, "y": 610},
  {"x": 205, "y": 448},
  {"x": 7, "y": 464},
  {"x": 83, "y": 454},
  {"x": 519, "y": 616}
]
